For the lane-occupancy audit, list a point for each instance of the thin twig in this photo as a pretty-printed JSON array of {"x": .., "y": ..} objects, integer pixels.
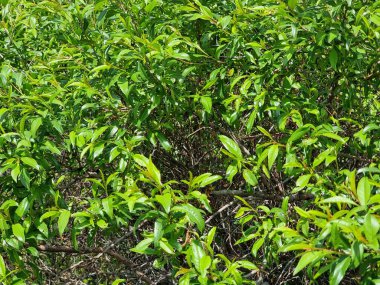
[
  {"x": 193, "y": 133},
  {"x": 221, "y": 210},
  {"x": 119, "y": 257},
  {"x": 261, "y": 196}
]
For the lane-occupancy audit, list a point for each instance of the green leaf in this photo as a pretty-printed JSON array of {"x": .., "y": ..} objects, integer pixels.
[
  {"x": 153, "y": 173},
  {"x": 36, "y": 123},
  {"x": 63, "y": 220},
  {"x": 340, "y": 270},
  {"x": 107, "y": 204},
  {"x": 364, "y": 191},
  {"x": 48, "y": 215},
  {"x": 321, "y": 157},
  {"x": 296, "y": 246},
  {"x": 204, "y": 264},
  {"x": 209, "y": 180},
  {"x": 165, "y": 246},
  {"x": 334, "y": 136},
  {"x": 210, "y": 236},
  {"x": 257, "y": 245},
  {"x": 197, "y": 253},
  {"x": 375, "y": 19},
  {"x": 30, "y": 161},
  {"x": 369, "y": 170},
  {"x": 165, "y": 200},
  {"x": 333, "y": 58},
  {"x": 22, "y": 207},
  {"x": 50, "y": 146},
  {"x": 98, "y": 149},
  {"x": 18, "y": 231},
  {"x": 114, "y": 153},
  {"x": 303, "y": 180},
  {"x": 163, "y": 141},
  {"x": 158, "y": 232},
  {"x": 371, "y": 227},
  {"x": 338, "y": 199},
  {"x": 250, "y": 177},
  {"x": 272, "y": 155},
  {"x": 3, "y": 269},
  {"x": 231, "y": 172},
  {"x": 100, "y": 68},
  {"x": 142, "y": 246},
  {"x": 265, "y": 132},
  {"x": 151, "y": 5},
  {"x": 25, "y": 178},
  {"x": 299, "y": 133},
  {"x": 193, "y": 214},
  {"x": 292, "y": 4},
  {"x": 141, "y": 160},
  {"x": 118, "y": 281},
  {"x": 207, "y": 103},
  {"x": 357, "y": 251},
  {"x": 231, "y": 146},
  {"x": 225, "y": 21},
  {"x": 251, "y": 121},
  {"x": 247, "y": 265},
  {"x": 102, "y": 224},
  {"x": 307, "y": 258},
  {"x": 15, "y": 172}
]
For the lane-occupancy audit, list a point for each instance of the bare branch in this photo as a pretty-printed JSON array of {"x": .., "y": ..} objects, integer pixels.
[
  {"x": 85, "y": 250},
  {"x": 262, "y": 196}
]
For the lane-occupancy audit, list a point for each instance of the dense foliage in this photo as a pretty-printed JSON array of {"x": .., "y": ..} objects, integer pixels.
[{"x": 190, "y": 142}]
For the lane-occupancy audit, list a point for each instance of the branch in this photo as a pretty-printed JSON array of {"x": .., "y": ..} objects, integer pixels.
[
  {"x": 262, "y": 196},
  {"x": 122, "y": 259},
  {"x": 221, "y": 210},
  {"x": 364, "y": 159}
]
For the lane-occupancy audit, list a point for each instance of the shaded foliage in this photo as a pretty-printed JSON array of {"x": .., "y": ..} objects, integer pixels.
[{"x": 190, "y": 142}]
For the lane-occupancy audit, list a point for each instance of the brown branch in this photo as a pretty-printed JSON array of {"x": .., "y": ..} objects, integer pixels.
[
  {"x": 347, "y": 155},
  {"x": 262, "y": 196},
  {"x": 85, "y": 250},
  {"x": 221, "y": 210}
]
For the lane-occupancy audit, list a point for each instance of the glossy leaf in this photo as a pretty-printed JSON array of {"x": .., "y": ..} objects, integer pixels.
[{"x": 63, "y": 220}]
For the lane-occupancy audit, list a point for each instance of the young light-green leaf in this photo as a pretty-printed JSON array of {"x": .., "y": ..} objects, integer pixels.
[
  {"x": 63, "y": 220},
  {"x": 299, "y": 133},
  {"x": 231, "y": 146},
  {"x": 30, "y": 161},
  {"x": 272, "y": 155},
  {"x": 18, "y": 231},
  {"x": 165, "y": 200},
  {"x": 250, "y": 177},
  {"x": 142, "y": 245},
  {"x": 197, "y": 253},
  {"x": 340, "y": 270},
  {"x": 3, "y": 269},
  {"x": 292, "y": 4},
  {"x": 338, "y": 199},
  {"x": 363, "y": 191},
  {"x": 194, "y": 215},
  {"x": 165, "y": 246},
  {"x": 307, "y": 258},
  {"x": 163, "y": 141},
  {"x": 303, "y": 180},
  {"x": 333, "y": 58},
  {"x": 207, "y": 103}
]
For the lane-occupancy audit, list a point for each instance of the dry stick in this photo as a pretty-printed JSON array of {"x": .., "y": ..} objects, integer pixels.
[
  {"x": 107, "y": 248},
  {"x": 193, "y": 133},
  {"x": 124, "y": 236},
  {"x": 124, "y": 260},
  {"x": 347, "y": 155},
  {"x": 221, "y": 210},
  {"x": 261, "y": 196}
]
